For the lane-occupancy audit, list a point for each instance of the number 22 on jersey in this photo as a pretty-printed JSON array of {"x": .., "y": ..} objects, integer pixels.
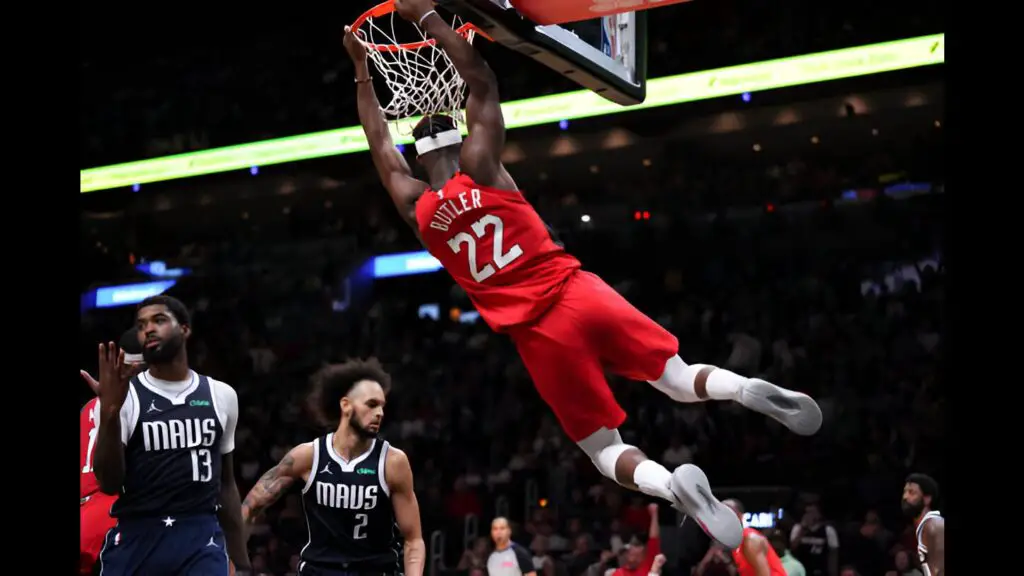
[{"x": 499, "y": 258}]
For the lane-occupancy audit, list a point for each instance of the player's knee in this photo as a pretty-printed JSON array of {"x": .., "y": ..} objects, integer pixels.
[{"x": 604, "y": 448}]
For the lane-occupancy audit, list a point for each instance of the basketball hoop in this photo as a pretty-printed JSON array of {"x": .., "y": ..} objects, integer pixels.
[{"x": 420, "y": 76}]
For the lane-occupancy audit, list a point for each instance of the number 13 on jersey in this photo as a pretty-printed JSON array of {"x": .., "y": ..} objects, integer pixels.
[{"x": 499, "y": 258}]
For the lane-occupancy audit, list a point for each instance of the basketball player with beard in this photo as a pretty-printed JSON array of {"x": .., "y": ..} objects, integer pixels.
[
  {"x": 920, "y": 492},
  {"x": 94, "y": 509},
  {"x": 164, "y": 446},
  {"x": 357, "y": 489},
  {"x": 568, "y": 325}
]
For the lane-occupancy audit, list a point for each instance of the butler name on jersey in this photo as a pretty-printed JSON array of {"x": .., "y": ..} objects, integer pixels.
[{"x": 172, "y": 449}]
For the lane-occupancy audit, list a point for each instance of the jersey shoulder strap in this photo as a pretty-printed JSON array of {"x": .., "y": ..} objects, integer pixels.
[
  {"x": 381, "y": 461},
  {"x": 315, "y": 466},
  {"x": 920, "y": 529}
]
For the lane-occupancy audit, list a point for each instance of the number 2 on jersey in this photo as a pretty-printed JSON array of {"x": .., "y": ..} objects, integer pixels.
[
  {"x": 499, "y": 258},
  {"x": 358, "y": 533}
]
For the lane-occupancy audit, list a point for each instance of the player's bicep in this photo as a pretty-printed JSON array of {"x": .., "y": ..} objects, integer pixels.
[
  {"x": 756, "y": 552},
  {"x": 935, "y": 536},
  {"x": 398, "y": 474},
  {"x": 227, "y": 471},
  {"x": 396, "y": 175},
  {"x": 481, "y": 152}
]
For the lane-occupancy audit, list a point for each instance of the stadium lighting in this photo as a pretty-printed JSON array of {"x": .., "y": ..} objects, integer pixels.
[{"x": 666, "y": 91}]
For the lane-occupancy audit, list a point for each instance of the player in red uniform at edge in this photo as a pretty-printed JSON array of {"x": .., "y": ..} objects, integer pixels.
[
  {"x": 568, "y": 325},
  {"x": 755, "y": 556},
  {"x": 94, "y": 509}
]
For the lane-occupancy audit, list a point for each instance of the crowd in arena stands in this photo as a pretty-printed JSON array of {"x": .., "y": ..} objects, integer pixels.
[
  {"x": 841, "y": 301},
  {"x": 292, "y": 77}
]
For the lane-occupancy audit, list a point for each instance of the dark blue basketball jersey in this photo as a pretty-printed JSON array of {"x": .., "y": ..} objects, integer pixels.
[
  {"x": 173, "y": 458},
  {"x": 348, "y": 511}
]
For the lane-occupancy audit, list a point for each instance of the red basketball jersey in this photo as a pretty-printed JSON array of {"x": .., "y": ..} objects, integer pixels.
[
  {"x": 745, "y": 569},
  {"x": 88, "y": 428},
  {"x": 497, "y": 249}
]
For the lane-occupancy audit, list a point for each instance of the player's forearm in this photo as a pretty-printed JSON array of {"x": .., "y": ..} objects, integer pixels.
[
  {"x": 654, "y": 530},
  {"x": 108, "y": 462},
  {"x": 255, "y": 503},
  {"x": 230, "y": 517},
  {"x": 415, "y": 557},
  {"x": 470, "y": 65},
  {"x": 267, "y": 490},
  {"x": 370, "y": 117}
]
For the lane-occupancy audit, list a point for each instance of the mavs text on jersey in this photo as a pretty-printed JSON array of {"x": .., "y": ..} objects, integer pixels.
[
  {"x": 175, "y": 435},
  {"x": 349, "y": 512}
]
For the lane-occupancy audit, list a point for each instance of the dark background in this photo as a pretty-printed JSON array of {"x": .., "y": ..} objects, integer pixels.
[{"x": 750, "y": 258}]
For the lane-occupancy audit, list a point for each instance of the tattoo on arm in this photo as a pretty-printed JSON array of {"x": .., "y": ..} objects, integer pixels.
[{"x": 269, "y": 489}]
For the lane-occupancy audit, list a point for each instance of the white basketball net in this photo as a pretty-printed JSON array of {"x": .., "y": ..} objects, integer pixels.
[{"x": 422, "y": 80}]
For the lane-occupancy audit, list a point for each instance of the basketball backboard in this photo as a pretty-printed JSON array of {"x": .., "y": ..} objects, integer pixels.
[{"x": 607, "y": 54}]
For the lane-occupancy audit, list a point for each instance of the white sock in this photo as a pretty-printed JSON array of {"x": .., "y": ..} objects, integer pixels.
[
  {"x": 677, "y": 382},
  {"x": 653, "y": 479},
  {"x": 605, "y": 447}
]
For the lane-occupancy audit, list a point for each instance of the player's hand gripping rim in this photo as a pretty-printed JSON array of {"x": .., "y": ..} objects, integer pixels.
[
  {"x": 114, "y": 376},
  {"x": 354, "y": 45},
  {"x": 414, "y": 10}
]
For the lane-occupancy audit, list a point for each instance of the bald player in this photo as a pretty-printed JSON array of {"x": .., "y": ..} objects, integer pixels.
[
  {"x": 755, "y": 556},
  {"x": 508, "y": 558},
  {"x": 357, "y": 489}
]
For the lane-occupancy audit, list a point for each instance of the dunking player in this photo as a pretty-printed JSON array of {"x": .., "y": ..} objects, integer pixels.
[
  {"x": 165, "y": 446},
  {"x": 755, "y": 556},
  {"x": 568, "y": 325},
  {"x": 94, "y": 509},
  {"x": 920, "y": 492},
  {"x": 357, "y": 488}
]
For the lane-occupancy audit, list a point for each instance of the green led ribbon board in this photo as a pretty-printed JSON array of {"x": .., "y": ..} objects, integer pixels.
[{"x": 755, "y": 77}]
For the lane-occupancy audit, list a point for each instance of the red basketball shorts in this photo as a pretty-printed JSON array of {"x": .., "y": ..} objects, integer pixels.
[
  {"x": 95, "y": 522},
  {"x": 590, "y": 329}
]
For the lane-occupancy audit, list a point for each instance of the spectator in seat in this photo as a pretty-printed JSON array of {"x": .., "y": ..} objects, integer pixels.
[
  {"x": 640, "y": 557},
  {"x": 815, "y": 543},
  {"x": 780, "y": 543}
]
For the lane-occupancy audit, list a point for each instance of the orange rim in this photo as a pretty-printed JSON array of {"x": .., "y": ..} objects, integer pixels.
[{"x": 387, "y": 7}]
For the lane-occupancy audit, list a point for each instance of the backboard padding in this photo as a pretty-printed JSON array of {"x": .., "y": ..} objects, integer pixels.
[{"x": 562, "y": 51}]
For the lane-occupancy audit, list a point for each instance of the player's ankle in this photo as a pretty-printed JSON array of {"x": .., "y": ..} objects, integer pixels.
[
  {"x": 654, "y": 480},
  {"x": 724, "y": 384}
]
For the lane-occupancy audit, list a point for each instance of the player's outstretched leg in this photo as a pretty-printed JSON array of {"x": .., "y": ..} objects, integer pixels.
[
  {"x": 686, "y": 489},
  {"x": 699, "y": 382}
]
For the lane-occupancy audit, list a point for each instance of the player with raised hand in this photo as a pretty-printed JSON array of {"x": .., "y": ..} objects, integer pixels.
[
  {"x": 94, "y": 508},
  {"x": 164, "y": 446},
  {"x": 568, "y": 325}
]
